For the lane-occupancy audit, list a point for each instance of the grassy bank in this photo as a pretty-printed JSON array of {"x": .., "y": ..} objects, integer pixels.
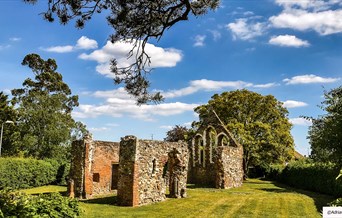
[{"x": 256, "y": 198}]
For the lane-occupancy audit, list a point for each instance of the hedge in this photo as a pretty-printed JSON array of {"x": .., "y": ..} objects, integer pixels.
[
  {"x": 315, "y": 177},
  {"x": 19, "y": 173}
]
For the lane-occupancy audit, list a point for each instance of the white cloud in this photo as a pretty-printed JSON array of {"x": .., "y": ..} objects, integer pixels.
[
  {"x": 294, "y": 104},
  {"x": 216, "y": 34},
  {"x": 86, "y": 43},
  {"x": 288, "y": 41},
  {"x": 211, "y": 85},
  {"x": 324, "y": 17},
  {"x": 267, "y": 85},
  {"x": 118, "y": 103},
  {"x": 82, "y": 43},
  {"x": 59, "y": 49},
  {"x": 160, "y": 57},
  {"x": 314, "y": 5},
  {"x": 300, "y": 121},
  {"x": 14, "y": 39},
  {"x": 245, "y": 30},
  {"x": 199, "y": 40},
  {"x": 309, "y": 78}
]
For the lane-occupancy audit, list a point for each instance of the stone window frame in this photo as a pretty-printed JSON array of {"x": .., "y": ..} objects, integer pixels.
[
  {"x": 210, "y": 140},
  {"x": 220, "y": 137},
  {"x": 195, "y": 149}
]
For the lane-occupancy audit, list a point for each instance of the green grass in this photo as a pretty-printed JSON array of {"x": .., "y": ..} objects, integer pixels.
[
  {"x": 256, "y": 198},
  {"x": 45, "y": 189}
]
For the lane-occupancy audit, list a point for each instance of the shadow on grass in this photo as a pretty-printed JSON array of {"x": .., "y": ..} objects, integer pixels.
[
  {"x": 109, "y": 200},
  {"x": 195, "y": 186},
  {"x": 319, "y": 199},
  {"x": 63, "y": 193}
]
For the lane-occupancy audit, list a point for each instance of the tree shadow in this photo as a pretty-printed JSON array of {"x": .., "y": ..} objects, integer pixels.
[
  {"x": 63, "y": 193},
  {"x": 109, "y": 200},
  {"x": 195, "y": 186},
  {"x": 320, "y": 200}
]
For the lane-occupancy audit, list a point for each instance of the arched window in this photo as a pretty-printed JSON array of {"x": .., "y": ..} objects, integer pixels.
[{"x": 222, "y": 140}]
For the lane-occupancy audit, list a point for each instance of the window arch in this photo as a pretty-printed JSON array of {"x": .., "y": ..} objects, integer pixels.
[{"x": 210, "y": 135}]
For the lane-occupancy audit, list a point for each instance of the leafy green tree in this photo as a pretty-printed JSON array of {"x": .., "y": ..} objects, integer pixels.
[
  {"x": 177, "y": 133},
  {"x": 7, "y": 112},
  {"x": 259, "y": 123},
  {"x": 44, "y": 107},
  {"x": 325, "y": 134},
  {"x": 134, "y": 21}
]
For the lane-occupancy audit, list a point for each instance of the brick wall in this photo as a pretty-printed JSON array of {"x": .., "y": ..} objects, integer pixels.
[{"x": 143, "y": 170}]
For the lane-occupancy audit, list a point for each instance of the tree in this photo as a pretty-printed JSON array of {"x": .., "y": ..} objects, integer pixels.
[
  {"x": 325, "y": 134},
  {"x": 7, "y": 112},
  {"x": 44, "y": 109},
  {"x": 259, "y": 123},
  {"x": 177, "y": 133},
  {"x": 133, "y": 21}
]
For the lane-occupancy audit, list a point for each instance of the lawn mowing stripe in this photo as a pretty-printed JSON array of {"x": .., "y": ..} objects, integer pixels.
[
  {"x": 208, "y": 211},
  {"x": 237, "y": 207},
  {"x": 284, "y": 207}
]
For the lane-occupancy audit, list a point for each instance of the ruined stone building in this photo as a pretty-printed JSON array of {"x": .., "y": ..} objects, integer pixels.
[
  {"x": 216, "y": 158},
  {"x": 141, "y": 170},
  {"x": 94, "y": 168}
]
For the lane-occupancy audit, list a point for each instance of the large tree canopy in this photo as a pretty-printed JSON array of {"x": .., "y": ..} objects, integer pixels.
[
  {"x": 259, "y": 123},
  {"x": 132, "y": 20},
  {"x": 325, "y": 134},
  {"x": 44, "y": 108}
]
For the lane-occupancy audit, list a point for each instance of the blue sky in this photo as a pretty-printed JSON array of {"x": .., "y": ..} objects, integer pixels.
[{"x": 289, "y": 49}]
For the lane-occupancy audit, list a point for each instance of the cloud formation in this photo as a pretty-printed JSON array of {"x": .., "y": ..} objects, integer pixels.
[
  {"x": 199, "y": 40},
  {"x": 160, "y": 57},
  {"x": 288, "y": 41},
  {"x": 294, "y": 104},
  {"x": 245, "y": 29},
  {"x": 211, "y": 85},
  {"x": 324, "y": 17},
  {"x": 83, "y": 43},
  {"x": 118, "y": 103},
  {"x": 309, "y": 78},
  {"x": 300, "y": 121}
]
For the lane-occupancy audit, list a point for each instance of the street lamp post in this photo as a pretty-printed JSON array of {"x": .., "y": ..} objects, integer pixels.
[{"x": 2, "y": 130}]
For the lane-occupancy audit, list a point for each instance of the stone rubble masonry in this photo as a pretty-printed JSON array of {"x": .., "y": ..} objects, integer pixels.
[
  {"x": 91, "y": 167},
  {"x": 143, "y": 170},
  {"x": 216, "y": 158}
]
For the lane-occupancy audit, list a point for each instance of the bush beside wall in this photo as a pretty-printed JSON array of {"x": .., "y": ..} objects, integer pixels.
[{"x": 19, "y": 173}]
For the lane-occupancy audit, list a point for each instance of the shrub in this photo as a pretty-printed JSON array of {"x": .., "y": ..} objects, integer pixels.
[
  {"x": 19, "y": 173},
  {"x": 316, "y": 177},
  {"x": 274, "y": 171},
  {"x": 62, "y": 171},
  {"x": 17, "y": 204}
]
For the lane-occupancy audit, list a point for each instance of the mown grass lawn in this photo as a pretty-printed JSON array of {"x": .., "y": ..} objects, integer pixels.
[{"x": 256, "y": 198}]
